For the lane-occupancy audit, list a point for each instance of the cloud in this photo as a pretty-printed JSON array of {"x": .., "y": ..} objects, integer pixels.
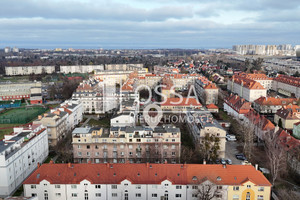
[{"x": 141, "y": 23}]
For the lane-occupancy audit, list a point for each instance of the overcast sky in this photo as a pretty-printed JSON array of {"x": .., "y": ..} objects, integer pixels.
[{"x": 127, "y": 24}]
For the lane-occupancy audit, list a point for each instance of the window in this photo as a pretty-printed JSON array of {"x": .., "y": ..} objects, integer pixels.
[
  {"x": 166, "y": 185},
  {"x": 85, "y": 184},
  {"x": 57, "y": 186},
  {"x": 173, "y": 153},
  {"x": 154, "y": 195},
  {"x": 79, "y": 153},
  {"x": 88, "y": 153},
  {"x": 86, "y": 196},
  {"x": 177, "y": 195},
  {"x": 130, "y": 146},
  {"x": 58, "y": 194},
  {"x": 235, "y": 197},
  {"x": 248, "y": 196},
  {"x": 97, "y": 154},
  {"x": 195, "y": 187},
  {"x": 114, "y": 194},
  {"x": 126, "y": 196},
  {"x": 79, "y": 147},
  {"x": 138, "y": 187},
  {"x": 33, "y": 194},
  {"x": 178, "y": 187},
  {"x": 219, "y": 187},
  {"x": 88, "y": 146},
  {"x": 260, "y": 197},
  {"x": 248, "y": 186},
  {"x": 46, "y": 196},
  {"x": 236, "y": 188},
  {"x": 98, "y": 194},
  {"x": 73, "y": 186},
  {"x": 97, "y": 186},
  {"x": 261, "y": 189},
  {"x": 33, "y": 186},
  {"x": 74, "y": 195},
  {"x": 138, "y": 195},
  {"x": 114, "y": 186},
  {"x": 194, "y": 195}
]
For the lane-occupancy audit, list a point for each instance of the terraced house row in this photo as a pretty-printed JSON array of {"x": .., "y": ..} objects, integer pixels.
[{"x": 147, "y": 181}]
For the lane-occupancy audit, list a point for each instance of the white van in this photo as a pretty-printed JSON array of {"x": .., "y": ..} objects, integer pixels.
[{"x": 230, "y": 137}]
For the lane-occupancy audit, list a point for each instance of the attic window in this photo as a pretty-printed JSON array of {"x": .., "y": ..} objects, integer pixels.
[
  {"x": 98, "y": 174},
  {"x": 138, "y": 174},
  {"x": 150, "y": 166},
  {"x": 219, "y": 178},
  {"x": 114, "y": 174},
  {"x": 58, "y": 174},
  {"x": 235, "y": 178},
  {"x": 178, "y": 174},
  {"x": 194, "y": 178},
  {"x": 38, "y": 176},
  {"x": 155, "y": 174},
  {"x": 74, "y": 174}
]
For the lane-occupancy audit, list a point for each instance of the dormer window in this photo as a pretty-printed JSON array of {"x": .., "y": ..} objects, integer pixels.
[
  {"x": 194, "y": 178},
  {"x": 219, "y": 178}
]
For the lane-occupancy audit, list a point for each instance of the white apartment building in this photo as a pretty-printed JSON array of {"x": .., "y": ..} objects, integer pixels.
[
  {"x": 146, "y": 182},
  {"x": 206, "y": 91},
  {"x": 20, "y": 154},
  {"x": 246, "y": 88},
  {"x": 27, "y": 70},
  {"x": 74, "y": 108},
  {"x": 80, "y": 68}
]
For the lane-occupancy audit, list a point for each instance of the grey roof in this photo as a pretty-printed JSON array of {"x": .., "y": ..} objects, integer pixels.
[{"x": 81, "y": 130}]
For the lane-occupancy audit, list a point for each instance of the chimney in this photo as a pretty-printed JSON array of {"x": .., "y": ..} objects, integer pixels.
[
  {"x": 38, "y": 164},
  {"x": 166, "y": 162},
  {"x": 224, "y": 166},
  {"x": 204, "y": 162},
  {"x": 89, "y": 162},
  {"x": 40, "y": 117},
  {"x": 45, "y": 114},
  {"x": 69, "y": 165},
  {"x": 256, "y": 166},
  {"x": 107, "y": 165},
  {"x": 147, "y": 165},
  {"x": 51, "y": 161}
]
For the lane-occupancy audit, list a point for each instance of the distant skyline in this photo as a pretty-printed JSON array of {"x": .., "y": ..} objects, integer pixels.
[{"x": 143, "y": 24}]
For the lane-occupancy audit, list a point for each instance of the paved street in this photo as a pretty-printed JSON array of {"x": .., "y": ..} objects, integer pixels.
[{"x": 231, "y": 151}]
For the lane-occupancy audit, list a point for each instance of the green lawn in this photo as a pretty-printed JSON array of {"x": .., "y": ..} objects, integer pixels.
[{"x": 105, "y": 122}]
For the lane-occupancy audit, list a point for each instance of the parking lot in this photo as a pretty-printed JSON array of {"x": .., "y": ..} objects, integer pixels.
[{"x": 231, "y": 150}]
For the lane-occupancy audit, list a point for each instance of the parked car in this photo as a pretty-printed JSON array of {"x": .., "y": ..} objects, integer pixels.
[
  {"x": 223, "y": 161},
  {"x": 240, "y": 156},
  {"x": 230, "y": 137},
  {"x": 217, "y": 161},
  {"x": 229, "y": 162}
]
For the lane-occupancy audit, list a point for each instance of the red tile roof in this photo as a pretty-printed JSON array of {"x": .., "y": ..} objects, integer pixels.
[
  {"x": 259, "y": 120},
  {"x": 287, "y": 141},
  {"x": 212, "y": 106},
  {"x": 238, "y": 104},
  {"x": 178, "y": 174},
  {"x": 210, "y": 86},
  {"x": 184, "y": 102},
  {"x": 289, "y": 112},
  {"x": 246, "y": 82},
  {"x": 290, "y": 80},
  {"x": 275, "y": 101}
]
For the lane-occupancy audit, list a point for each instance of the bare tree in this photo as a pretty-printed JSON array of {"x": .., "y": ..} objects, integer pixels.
[
  {"x": 209, "y": 147},
  {"x": 287, "y": 194},
  {"x": 275, "y": 154},
  {"x": 206, "y": 191},
  {"x": 247, "y": 133}
]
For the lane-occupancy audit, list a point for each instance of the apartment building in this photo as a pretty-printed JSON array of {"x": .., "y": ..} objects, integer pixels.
[
  {"x": 263, "y": 79},
  {"x": 287, "y": 85},
  {"x": 206, "y": 91},
  {"x": 296, "y": 130},
  {"x": 246, "y": 88},
  {"x": 178, "y": 105},
  {"x": 74, "y": 108},
  {"x": 288, "y": 115},
  {"x": 27, "y": 70},
  {"x": 270, "y": 105},
  {"x": 56, "y": 122},
  {"x": 201, "y": 123},
  {"x": 80, "y": 68},
  {"x": 236, "y": 106},
  {"x": 17, "y": 91},
  {"x": 126, "y": 144},
  {"x": 20, "y": 153},
  {"x": 146, "y": 181}
]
